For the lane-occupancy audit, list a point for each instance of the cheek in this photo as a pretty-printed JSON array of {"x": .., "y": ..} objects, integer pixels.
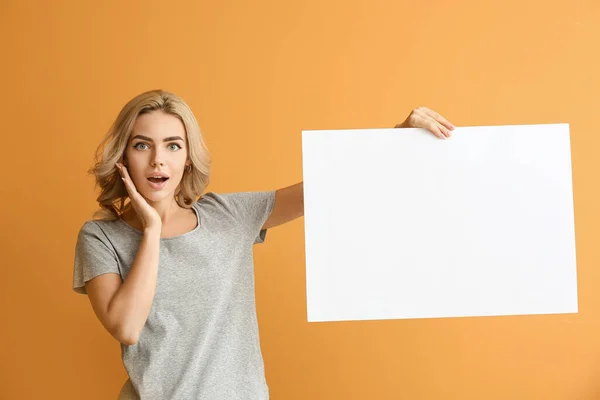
[
  {"x": 135, "y": 162},
  {"x": 135, "y": 170},
  {"x": 135, "y": 175}
]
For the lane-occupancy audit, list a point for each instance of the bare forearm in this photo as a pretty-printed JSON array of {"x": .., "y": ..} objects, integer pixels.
[{"x": 131, "y": 305}]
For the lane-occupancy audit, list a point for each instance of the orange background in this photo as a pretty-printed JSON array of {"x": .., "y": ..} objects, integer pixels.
[{"x": 256, "y": 73}]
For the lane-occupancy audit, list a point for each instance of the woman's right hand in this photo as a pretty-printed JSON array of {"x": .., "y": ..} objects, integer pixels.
[{"x": 148, "y": 216}]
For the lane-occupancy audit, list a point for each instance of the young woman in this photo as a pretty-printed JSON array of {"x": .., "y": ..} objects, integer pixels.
[{"x": 169, "y": 270}]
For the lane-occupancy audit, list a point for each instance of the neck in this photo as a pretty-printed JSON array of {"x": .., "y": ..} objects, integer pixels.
[{"x": 167, "y": 209}]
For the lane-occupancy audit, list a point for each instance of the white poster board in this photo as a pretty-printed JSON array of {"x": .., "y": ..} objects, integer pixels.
[{"x": 400, "y": 224}]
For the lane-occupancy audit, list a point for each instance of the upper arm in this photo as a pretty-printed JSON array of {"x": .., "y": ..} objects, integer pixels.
[
  {"x": 94, "y": 256},
  {"x": 96, "y": 271},
  {"x": 289, "y": 205},
  {"x": 100, "y": 291},
  {"x": 249, "y": 210}
]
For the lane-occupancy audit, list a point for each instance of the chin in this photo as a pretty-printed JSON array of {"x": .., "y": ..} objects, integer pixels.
[{"x": 158, "y": 196}]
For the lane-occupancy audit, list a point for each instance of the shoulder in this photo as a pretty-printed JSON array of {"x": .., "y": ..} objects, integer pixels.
[
  {"x": 212, "y": 202},
  {"x": 101, "y": 230},
  {"x": 91, "y": 230},
  {"x": 90, "y": 227},
  {"x": 212, "y": 199},
  {"x": 235, "y": 200}
]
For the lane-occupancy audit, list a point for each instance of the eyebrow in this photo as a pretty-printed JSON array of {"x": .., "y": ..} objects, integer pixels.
[{"x": 167, "y": 139}]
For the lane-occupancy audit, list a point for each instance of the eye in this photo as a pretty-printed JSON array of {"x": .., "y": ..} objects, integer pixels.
[
  {"x": 177, "y": 147},
  {"x": 137, "y": 145}
]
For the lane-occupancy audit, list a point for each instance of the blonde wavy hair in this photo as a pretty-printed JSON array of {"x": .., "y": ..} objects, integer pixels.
[{"x": 113, "y": 198}]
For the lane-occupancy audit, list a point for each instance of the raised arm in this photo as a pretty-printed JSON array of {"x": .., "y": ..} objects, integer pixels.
[
  {"x": 123, "y": 307},
  {"x": 289, "y": 201},
  {"x": 289, "y": 205}
]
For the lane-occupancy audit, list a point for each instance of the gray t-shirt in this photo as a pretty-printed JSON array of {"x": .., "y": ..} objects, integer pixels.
[{"x": 201, "y": 339}]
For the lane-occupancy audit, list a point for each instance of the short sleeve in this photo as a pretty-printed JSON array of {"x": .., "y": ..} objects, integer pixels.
[
  {"x": 94, "y": 256},
  {"x": 252, "y": 209}
]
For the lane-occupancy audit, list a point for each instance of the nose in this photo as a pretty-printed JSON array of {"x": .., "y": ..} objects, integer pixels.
[{"x": 157, "y": 159}]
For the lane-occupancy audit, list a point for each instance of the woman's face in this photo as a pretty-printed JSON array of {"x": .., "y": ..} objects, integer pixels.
[{"x": 156, "y": 147}]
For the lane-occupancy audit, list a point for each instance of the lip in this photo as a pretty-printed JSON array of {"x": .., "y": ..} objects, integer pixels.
[
  {"x": 157, "y": 186},
  {"x": 158, "y": 173}
]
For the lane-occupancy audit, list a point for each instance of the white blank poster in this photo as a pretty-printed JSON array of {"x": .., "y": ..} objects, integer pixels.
[{"x": 401, "y": 224}]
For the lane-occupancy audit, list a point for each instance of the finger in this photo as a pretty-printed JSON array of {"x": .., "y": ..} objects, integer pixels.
[
  {"x": 438, "y": 118},
  {"x": 443, "y": 129},
  {"x": 430, "y": 124},
  {"x": 128, "y": 182},
  {"x": 427, "y": 117}
]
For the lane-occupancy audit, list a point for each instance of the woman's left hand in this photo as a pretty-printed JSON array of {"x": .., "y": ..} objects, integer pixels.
[{"x": 423, "y": 117}]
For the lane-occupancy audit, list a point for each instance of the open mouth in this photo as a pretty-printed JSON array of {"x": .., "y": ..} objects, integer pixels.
[{"x": 158, "y": 180}]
